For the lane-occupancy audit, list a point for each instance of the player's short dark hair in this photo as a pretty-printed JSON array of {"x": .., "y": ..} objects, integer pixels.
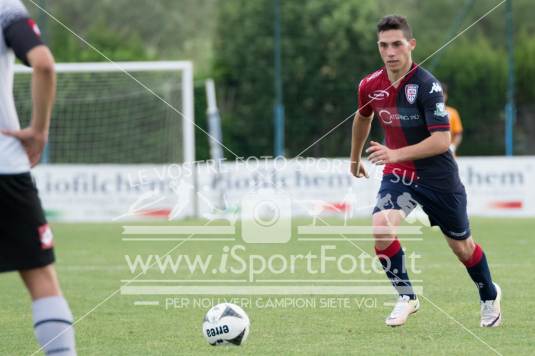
[{"x": 395, "y": 22}]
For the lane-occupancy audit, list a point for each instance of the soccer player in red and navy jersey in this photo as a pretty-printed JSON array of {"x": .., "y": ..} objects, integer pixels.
[{"x": 419, "y": 167}]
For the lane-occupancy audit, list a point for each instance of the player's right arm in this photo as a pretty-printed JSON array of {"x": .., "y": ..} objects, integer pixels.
[
  {"x": 362, "y": 123},
  {"x": 360, "y": 132}
]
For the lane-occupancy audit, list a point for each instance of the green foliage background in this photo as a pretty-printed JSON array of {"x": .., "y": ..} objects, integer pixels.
[{"x": 327, "y": 46}]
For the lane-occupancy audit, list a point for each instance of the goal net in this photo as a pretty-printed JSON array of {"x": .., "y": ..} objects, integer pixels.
[{"x": 103, "y": 115}]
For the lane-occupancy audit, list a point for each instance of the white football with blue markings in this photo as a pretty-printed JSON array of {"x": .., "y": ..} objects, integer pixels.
[{"x": 226, "y": 324}]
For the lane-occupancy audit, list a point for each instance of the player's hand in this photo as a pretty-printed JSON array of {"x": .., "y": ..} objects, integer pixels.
[
  {"x": 32, "y": 140},
  {"x": 380, "y": 154},
  {"x": 358, "y": 170}
]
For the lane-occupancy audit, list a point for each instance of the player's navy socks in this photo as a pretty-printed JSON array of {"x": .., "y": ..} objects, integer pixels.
[
  {"x": 52, "y": 323},
  {"x": 393, "y": 260},
  {"x": 478, "y": 269}
]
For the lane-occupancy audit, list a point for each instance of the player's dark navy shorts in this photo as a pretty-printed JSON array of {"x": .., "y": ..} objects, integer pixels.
[
  {"x": 446, "y": 210},
  {"x": 25, "y": 238}
]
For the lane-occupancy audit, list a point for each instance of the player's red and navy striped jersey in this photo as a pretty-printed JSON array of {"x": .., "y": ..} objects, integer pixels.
[{"x": 408, "y": 115}]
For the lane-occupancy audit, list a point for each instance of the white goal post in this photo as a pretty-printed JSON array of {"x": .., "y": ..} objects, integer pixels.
[{"x": 161, "y": 90}]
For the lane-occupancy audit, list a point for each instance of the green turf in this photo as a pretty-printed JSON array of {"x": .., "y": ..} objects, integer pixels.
[{"x": 91, "y": 264}]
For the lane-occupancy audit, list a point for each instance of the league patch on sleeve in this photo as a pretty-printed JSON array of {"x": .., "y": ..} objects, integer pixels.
[{"x": 440, "y": 110}]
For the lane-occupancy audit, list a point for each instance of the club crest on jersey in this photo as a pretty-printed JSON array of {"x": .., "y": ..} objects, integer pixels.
[
  {"x": 46, "y": 237},
  {"x": 411, "y": 91}
]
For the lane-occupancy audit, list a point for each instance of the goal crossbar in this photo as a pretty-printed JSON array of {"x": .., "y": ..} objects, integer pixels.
[
  {"x": 186, "y": 67},
  {"x": 115, "y": 66}
]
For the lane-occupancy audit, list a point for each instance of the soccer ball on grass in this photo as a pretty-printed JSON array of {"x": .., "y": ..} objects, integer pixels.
[{"x": 225, "y": 324}]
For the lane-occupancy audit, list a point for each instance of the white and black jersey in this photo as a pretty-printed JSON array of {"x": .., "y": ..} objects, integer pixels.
[
  {"x": 18, "y": 35},
  {"x": 25, "y": 237}
]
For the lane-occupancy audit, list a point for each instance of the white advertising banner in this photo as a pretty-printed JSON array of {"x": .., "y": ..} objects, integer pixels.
[
  {"x": 113, "y": 192},
  {"x": 306, "y": 187},
  {"x": 496, "y": 186},
  {"x": 499, "y": 186}
]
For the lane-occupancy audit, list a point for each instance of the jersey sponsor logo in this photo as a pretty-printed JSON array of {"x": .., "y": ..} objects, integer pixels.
[
  {"x": 435, "y": 88},
  {"x": 440, "y": 110},
  {"x": 34, "y": 27},
  {"x": 46, "y": 237},
  {"x": 387, "y": 117},
  {"x": 379, "y": 95},
  {"x": 411, "y": 91}
]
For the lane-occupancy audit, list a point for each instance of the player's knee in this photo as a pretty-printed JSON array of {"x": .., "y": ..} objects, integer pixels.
[
  {"x": 380, "y": 235},
  {"x": 41, "y": 282},
  {"x": 463, "y": 249},
  {"x": 382, "y": 230}
]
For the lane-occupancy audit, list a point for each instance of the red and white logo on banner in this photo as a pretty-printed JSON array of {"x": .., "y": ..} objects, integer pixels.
[{"x": 46, "y": 237}]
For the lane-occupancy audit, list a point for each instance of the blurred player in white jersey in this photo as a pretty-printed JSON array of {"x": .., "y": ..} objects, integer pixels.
[{"x": 25, "y": 238}]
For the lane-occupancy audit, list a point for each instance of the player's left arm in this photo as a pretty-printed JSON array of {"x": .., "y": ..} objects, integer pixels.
[
  {"x": 434, "y": 145},
  {"x": 22, "y": 36},
  {"x": 436, "y": 119}
]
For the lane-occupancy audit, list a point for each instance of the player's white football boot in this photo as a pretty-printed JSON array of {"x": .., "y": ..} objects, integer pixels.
[
  {"x": 491, "y": 314},
  {"x": 403, "y": 308}
]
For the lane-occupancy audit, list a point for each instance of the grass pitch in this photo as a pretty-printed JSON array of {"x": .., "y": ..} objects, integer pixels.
[{"x": 91, "y": 265}]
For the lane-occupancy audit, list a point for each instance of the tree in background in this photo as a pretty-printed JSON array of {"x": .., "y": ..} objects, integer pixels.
[
  {"x": 326, "y": 46},
  {"x": 476, "y": 76},
  {"x": 329, "y": 44},
  {"x": 131, "y": 30},
  {"x": 525, "y": 92}
]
